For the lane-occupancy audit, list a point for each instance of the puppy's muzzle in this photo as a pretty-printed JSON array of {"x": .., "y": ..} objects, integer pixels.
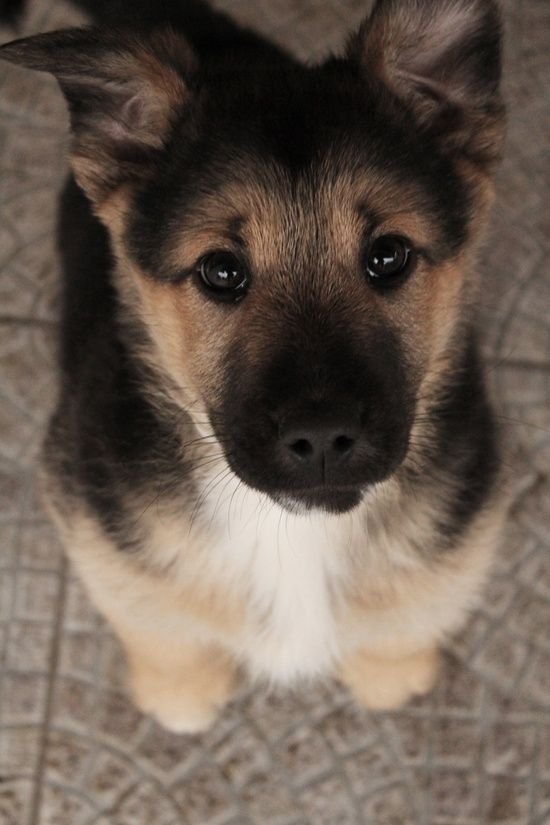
[{"x": 319, "y": 450}]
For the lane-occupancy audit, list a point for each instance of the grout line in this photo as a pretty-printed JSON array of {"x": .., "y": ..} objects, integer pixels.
[
  {"x": 426, "y": 803},
  {"x": 394, "y": 744},
  {"x": 13, "y": 572},
  {"x": 518, "y": 363},
  {"x": 485, "y": 722},
  {"x": 54, "y": 661},
  {"x": 534, "y": 781}
]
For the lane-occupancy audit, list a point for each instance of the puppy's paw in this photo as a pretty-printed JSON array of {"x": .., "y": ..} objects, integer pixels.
[
  {"x": 384, "y": 684},
  {"x": 185, "y": 701},
  {"x": 173, "y": 708}
]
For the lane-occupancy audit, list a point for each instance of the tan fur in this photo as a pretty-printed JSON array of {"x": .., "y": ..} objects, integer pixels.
[
  {"x": 409, "y": 612},
  {"x": 129, "y": 591},
  {"x": 181, "y": 685},
  {"x": 172, "y": 630},
  {"x": 187, "y": 337},
  {"x": 434, "y": 591},
  {"x": 384, "y": 683}
]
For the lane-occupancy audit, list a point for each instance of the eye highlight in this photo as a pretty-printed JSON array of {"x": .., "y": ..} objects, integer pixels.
[
  {"x": 389, "y": 260},
  {"x": 223, "y": 276}
]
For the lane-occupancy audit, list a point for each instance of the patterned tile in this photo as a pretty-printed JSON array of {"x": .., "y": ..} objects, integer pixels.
[
  {"x": 73, "y": 750},
  {"x": 15, "y": 801}
]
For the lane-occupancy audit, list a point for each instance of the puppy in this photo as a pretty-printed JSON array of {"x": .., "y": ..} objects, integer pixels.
[{"x": 273, "y": 451}]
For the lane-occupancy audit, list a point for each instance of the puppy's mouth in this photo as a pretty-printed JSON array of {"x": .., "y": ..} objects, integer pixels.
[
  {"x": 335, "y": 500},
  {"x": 300, "y": 488}
]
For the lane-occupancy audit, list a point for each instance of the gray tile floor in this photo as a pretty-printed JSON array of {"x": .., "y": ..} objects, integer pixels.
[{"x": 73, "y": 751}]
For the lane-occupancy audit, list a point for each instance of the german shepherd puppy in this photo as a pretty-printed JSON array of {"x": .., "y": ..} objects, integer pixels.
[{"x": 273, "y": 450}]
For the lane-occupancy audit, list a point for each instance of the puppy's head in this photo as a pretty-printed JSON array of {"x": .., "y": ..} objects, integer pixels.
[{"x": 297, "y": 240}]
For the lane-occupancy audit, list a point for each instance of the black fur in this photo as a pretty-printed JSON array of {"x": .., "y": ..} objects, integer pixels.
[
  {"x": 349, "y": 386},
  {"x": 11, "y": 10},
  {"x": 466, "y": 443},
  {"x": 107, "y": 440}
]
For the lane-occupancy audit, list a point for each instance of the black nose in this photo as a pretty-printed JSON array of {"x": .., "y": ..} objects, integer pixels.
[{"x": 320, "y": 448}]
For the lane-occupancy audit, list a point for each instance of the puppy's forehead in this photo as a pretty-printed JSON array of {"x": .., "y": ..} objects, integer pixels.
[
  {"x": 299, "y": 174},
  {"x": 328, "y": 209}
]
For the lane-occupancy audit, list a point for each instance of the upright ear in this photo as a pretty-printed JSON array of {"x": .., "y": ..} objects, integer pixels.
[
  {"x": 441, "y": 58},
  {"x": 124, "y": 92}
]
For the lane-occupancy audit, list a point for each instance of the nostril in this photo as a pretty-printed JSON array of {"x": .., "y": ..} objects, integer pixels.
[
  {"x": 302, "y": 447},
  {"x": 343, "y": 444}
]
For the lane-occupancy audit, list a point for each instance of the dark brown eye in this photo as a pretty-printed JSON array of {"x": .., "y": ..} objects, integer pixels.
[
  {"x": 223, "y": 276},
  {"x": 389, "y": 260}
]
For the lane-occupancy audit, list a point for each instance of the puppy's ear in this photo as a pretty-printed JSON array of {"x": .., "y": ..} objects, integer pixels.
[
  {"x": 441, "y": 58},
  {"x": 124, "y": 93}
]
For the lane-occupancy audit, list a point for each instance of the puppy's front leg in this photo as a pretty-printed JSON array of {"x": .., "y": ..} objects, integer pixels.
[
  {"x": 182, "y": 685},
  {"x": 383, "y": 683},
  {"x": 177, "y": 675}
]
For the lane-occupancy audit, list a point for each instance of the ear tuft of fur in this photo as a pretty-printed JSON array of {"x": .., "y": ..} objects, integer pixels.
[
  {"x": 441, "y": 58},
  {"x": 124, "y": 91}
]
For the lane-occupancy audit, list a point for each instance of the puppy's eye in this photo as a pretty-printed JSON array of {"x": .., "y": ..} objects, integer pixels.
[
  {"x": 389, "y": 260},
  {"x": 223, "y": 276}
]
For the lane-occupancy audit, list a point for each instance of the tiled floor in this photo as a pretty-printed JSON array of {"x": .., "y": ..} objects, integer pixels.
[{"x": 73, "y": 751}]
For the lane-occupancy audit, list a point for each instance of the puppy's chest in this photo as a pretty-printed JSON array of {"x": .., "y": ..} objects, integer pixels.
[
  {"x": 289, "y": 572},
  {"x": 296, "y": 571}
]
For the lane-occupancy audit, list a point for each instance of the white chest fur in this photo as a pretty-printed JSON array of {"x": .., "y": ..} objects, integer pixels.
[{"x": 292, "y": 567}]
